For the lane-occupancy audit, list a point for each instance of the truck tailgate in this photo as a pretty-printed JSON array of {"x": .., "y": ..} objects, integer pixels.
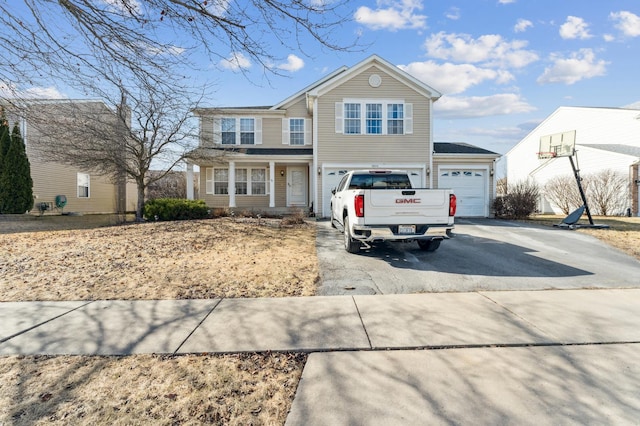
[{"x": 406, "y": 206}]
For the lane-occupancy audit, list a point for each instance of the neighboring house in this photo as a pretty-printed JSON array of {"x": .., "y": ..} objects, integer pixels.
[
  {"x": 85, "y": 191},
  {"x": 606, "y": 139},
  {"x": 289, "y": 156}
]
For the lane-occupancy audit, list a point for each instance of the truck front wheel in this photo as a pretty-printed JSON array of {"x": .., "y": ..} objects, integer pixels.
[
  {"x": 429, "y": 245},
  {"x": 350, "y": 245}
]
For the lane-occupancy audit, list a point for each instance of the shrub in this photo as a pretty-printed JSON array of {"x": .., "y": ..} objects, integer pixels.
[
  {"x": 520, "y": 202},
  {"x": 175, "y": 209}
]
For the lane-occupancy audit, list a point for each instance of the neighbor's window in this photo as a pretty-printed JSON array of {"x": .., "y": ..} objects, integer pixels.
[
  {"x": 228, "y": 126},
  {"x": 296, "y": 131},
  {"x": 220, "y": 181},
  {"x": 83, "y": 185},
  {"x": 352, "y": 119},
  {"x": 247, "y": 131},
  {"x": 395, "y": 119},
  {"x": 374, "y": 119}
]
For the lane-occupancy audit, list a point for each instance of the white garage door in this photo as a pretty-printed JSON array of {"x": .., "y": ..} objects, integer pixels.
[
  {"x": 332, "y": 177},
  {"x": 470, "y": 187}
]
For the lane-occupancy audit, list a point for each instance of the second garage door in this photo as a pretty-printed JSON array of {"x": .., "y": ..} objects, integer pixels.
[{"x": 470, "y": 187}]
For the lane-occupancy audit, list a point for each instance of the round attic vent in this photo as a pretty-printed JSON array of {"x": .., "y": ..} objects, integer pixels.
[{"x": 375, "y": 80}]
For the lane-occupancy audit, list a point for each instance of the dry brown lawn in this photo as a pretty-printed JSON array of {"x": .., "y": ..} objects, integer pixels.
[{"x": 166, "y": 260}]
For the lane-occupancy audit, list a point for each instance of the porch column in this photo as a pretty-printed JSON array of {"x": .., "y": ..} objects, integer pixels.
[
  {"x": 272, "y": 184},
  {"x": 232, "y": 184},
  {"x": 310, "y": 198},
  {"x": 189, "y": 181}
]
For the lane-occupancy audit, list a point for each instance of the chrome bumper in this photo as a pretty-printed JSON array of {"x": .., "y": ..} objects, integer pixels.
[{"x": 384, "y": 233}]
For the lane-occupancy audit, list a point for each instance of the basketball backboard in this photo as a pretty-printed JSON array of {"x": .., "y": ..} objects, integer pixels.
[{"x": 557, "y": 145}]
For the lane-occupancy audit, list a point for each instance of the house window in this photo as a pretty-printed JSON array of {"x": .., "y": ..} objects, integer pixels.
[
  {"x": 374, "y": 119},
  {"x": 247, "y": 131},
  {"x": 296, "y": 131},
  {"x": 258, "y": 181},
  {"x": 83, "y": 180},
  {"x": 352, "y": 119},
  {"x": 395, "y": 119},
  {"x": 228, "y": 131},
  {"x": 241, "y": 181},
  {"x": 220, "y": 181}
]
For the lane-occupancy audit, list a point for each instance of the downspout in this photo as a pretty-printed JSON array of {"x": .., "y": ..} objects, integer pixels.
[
  {"x": 314, "y": 173},
  {"x": 430, "y": 165}
]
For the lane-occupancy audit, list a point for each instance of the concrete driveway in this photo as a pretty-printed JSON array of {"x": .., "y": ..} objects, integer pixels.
[{"x": 484, "y": 254}]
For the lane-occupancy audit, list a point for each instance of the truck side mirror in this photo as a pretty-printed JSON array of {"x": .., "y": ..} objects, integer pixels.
[{"x": 333, "y": 191}]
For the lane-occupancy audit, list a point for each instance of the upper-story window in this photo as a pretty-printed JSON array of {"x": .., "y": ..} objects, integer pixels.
[
  {"x": 380, "y": 117},
  {"x": 237, "y": 130},
  {"x": 296, "y": 131}
]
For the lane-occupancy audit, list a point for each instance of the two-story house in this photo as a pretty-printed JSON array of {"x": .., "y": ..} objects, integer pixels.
[{"x": 290, "y": 155}]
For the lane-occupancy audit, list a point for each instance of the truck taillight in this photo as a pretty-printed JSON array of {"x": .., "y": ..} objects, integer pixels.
[
  {"x": 358, "y": 204},
  {"x": 452, "y": 205}
]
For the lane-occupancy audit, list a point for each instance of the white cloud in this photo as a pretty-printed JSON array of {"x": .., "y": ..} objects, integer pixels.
[
  {"x": 574, "y": 28},
  {"x": 454, "y": 78},
  {"x": 490, "y": 49},
  {"x": 578, "y": 66},
  {"x": 10, "y": 91},
  {"x": 293, "y": 64},
  {"x": 608, "y": 38},
  {"x": 453, "y": 13},
  {"x": 392, "y": 15},
  {"x": 235, "y": 62},
  {"x": 481, "y": 106},
  {"x": 506, "y": 1},
  {"x": 626, "y": 22},
  {"x": 522, "y": 25}
]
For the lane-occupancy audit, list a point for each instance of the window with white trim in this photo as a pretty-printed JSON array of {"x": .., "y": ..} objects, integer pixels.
[
  {"x": 352, "y": 118},
  {"x": 296, "y": 131},
  {"x": 379, "y": 117},
  {"x": 248, "y": 181},
  {"x": 237, "y": 130},
  {"x": 395, "y": 119},
  {"x": 228, "y": 131},
  {"x": 374, "y": 119},
  {"x": 247, "y": 131},
  {"x": 83, "y": 182}
]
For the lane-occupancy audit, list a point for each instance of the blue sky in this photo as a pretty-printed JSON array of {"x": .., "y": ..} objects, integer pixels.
[{"x": 502, "y": 65}]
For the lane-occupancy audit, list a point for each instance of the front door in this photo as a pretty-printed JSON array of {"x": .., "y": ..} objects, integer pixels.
[{"x": 297, "y": 186}]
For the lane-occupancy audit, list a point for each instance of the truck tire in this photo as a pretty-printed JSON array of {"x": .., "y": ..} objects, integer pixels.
[
  {"x": 429, "y": 245},
  {"x": 333, "y": 224},
  {"x": 350, "y": 245}
]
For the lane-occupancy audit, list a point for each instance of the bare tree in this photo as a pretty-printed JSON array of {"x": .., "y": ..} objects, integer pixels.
[
  {"x": 563, "y": 192},
  {"x": 97, "y": 44},
  {"x": 608, "y": 192}
]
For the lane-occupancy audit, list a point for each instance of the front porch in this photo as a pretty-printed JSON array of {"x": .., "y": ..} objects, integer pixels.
[{"x": 272, "y": 188}]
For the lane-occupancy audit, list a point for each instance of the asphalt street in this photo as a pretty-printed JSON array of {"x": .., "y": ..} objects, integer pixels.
[{"x": 484, "y": 254}]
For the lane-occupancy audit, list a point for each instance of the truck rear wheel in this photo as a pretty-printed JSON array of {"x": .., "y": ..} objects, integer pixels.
[
  {"x": 429, "y": 245},
  {"x": 350, "y": 245}
]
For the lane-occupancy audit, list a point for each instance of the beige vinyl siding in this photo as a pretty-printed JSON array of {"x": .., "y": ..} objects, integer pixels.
[
  {"x": 298, "y": 109},
  {"x": 51, "y": 179},
  {"x": 373, "y": 149}
]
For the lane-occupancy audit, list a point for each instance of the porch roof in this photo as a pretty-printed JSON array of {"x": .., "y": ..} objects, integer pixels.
[{"x": 219, "y": 153}]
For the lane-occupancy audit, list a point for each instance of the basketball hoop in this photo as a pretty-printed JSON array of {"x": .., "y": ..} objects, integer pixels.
[{"x": 546, "y": 155}]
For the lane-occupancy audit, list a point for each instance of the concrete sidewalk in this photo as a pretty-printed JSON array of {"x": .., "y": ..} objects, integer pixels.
[{"x": 569, "y": 356}]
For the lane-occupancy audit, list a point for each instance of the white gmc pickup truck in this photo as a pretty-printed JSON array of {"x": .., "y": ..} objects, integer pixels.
[{"x": 381, "y": 205}]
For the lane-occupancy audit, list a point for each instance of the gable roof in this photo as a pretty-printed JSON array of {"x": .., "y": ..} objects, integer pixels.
[
  {"x": 460, "y": 148},
  {"x": 313, "y": 85},
  {"x": 390, "y": 69}
]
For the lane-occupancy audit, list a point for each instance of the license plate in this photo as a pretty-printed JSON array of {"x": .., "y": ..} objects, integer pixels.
[{"x": 406, "y": 229}]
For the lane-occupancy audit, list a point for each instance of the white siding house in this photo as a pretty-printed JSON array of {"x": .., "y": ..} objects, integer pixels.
[{"x": 606, "y": 139}]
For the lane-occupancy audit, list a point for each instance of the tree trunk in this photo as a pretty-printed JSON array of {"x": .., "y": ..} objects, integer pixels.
[{"x": 140, "y": 204}]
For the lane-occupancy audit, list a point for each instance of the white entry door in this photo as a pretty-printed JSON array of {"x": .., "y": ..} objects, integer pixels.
[{"x": 297, "y": 186}]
